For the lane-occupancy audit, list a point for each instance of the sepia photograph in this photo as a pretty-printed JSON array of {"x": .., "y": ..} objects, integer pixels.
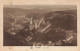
[{"x": 40, "y": 25}]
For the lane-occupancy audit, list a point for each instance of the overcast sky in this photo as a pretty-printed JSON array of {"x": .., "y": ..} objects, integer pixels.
[{"x": 49, "y": 7}]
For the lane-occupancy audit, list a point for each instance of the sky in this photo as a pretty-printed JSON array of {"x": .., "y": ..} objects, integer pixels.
[{"x": 48, "y": 7}]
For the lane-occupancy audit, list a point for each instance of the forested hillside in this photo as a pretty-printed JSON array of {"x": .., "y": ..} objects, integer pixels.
[{"x": 27, "y": 27}]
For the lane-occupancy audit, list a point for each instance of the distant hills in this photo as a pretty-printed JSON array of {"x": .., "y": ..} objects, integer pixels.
[{"x": 57, "y": 18}]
